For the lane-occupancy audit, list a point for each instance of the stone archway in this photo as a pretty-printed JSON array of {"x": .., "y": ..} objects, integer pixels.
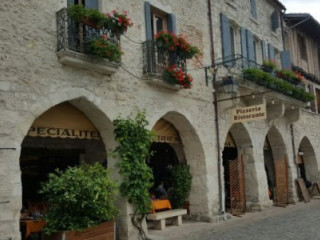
[
  {"x": 190, "y": 151},
  {"x": 244, "y": 150},
  {"x": 276, "y": 166},
  {"x": 306, "y": 160}
]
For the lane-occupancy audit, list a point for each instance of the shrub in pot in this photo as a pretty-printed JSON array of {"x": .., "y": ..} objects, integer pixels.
[
  {"x": 79, "y": 198},
  {"x": 181, "y": 179}
]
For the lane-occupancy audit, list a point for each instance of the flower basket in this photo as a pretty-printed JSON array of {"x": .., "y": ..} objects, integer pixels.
[
  {"x": 177, "y": 44},
  {"x": 101, "y": 47},
  {"x": 91, "y": 23},
  {"x": 175, "y": 75}
]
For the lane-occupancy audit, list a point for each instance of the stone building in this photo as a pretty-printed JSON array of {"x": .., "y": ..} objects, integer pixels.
[{"x": 58, "y": 102}]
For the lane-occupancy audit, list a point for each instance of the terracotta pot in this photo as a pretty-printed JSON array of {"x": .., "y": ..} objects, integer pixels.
[
  {"x": 90, "y": 23},
  {"x": 104, "y": 231}
]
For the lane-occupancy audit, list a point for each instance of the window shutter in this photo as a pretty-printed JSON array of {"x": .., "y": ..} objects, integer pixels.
[
  {"x": 271, "y": 52},
  {"x": 244, "y": 51},
  {"x": 275, "y": 20},
  {"x": 172, "y": 23},
  {"x": 253, "y": 9},
  {"x": 70, "y": 3},
  {"x": 147, "y": 13},
  {"x": 94, "y": 4},
  {"x": 286, "y": 59},
  {"x": 226, "y": 39},
  {"x": 250, "y": 46},
  {"x": 264, "y": 50}
]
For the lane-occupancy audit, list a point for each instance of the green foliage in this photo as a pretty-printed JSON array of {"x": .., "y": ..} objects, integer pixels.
[
  {"x": 270, "y": 64},
  {"x": 79, "y": 198},
  {"x": 103, "y": 48},
  {"x": 181, "y": 179},
  {"x": 77, "y": 12},
  {"x": 267, "y": 80},
  {"x": 289, "y": 76},
  {"x": 133, "y": 150}
]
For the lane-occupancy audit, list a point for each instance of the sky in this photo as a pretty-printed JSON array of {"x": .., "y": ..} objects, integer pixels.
[{"x": 303, "y": 6}]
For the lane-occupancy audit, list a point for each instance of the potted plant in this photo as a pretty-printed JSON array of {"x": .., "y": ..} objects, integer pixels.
[
  {"x": 101, "y": 47},
  {"x": 81, "y": 202},
  {"x": 175, "y": 75},
  {"x": 177, "y": 44},
  {"x": 269, "y": 66},
  {"x": 118, "y": 22},
  {"x": 181, "y": 180}
]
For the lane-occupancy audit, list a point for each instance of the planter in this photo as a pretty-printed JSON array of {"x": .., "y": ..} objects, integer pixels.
[
  {"x": 90, "y": 23},
  {"x": 103, "y": 231}
]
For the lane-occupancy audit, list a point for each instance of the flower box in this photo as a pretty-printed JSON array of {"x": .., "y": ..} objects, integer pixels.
[{"x": 103, "y": 231}]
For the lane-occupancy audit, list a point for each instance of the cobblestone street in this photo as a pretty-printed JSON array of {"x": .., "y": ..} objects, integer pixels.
[{"x": 300, "y": 221}]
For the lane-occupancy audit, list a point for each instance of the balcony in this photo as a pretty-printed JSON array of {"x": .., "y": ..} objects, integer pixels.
[
  {"x": 254, "y": 79},
  {"x": 156, "y": 60},
  {"x": 74, "y": 45}
]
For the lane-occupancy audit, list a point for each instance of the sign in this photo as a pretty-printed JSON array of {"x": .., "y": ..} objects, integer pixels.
[
  {"x": 63, "y": 133},
  {"x": 166, "y": 132},
  {"x": 63, "y": 121},
  {"x": 257, "y": 112}
]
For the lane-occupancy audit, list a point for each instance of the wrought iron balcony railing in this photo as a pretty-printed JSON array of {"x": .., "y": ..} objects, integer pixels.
[
  {"x": 76, "y": 36},
  {"x": 268, "y": 78},
  {"x": 156, "y": 59}
]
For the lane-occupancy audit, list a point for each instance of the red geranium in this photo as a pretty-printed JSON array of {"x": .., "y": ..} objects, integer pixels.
[{"x": 175, "y": 75}]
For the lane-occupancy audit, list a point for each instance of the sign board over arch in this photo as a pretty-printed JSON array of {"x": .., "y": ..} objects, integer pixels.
[
  {"x": 63, "y": 121},
  {"x": 166, "y": 132}
]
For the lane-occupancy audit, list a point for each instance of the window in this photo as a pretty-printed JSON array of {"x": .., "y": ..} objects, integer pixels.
[
  {"x": 157, "y": 20},
  {"x": 302, "y": 47},
  {"x": 87, "y": 3},
  {"x": 255, "y": 50},
  {"x": 253, "y": 8},
  {"x": 232, "y": 42}
]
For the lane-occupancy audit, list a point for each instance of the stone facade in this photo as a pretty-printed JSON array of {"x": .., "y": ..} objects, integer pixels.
[{"x": 32, "y": 80}]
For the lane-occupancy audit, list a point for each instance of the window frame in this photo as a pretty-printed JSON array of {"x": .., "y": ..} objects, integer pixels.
[{"x": 302, "y": 47}]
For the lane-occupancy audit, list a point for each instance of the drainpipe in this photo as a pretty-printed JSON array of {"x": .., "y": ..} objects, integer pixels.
[
  {"x": 215, "y": 104},
  {"x": 282, "y": 29}
]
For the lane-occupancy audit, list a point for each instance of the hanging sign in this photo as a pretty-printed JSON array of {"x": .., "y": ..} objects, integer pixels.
[{"x": 252, "y": 113}]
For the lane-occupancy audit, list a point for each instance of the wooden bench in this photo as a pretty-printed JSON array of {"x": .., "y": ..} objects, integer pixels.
[{"x": 160, "y": 217}]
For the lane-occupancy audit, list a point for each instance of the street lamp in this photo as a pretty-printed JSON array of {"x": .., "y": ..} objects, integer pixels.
[{"x": 230, "y": 85}]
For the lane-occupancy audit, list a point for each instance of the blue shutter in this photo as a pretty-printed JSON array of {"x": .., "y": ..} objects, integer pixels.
[
  {"x": 275, "y": 20},
  {"x": 94, "y": 4},
  {"x": 70, "y": 3},
  {"x": 244, "y": 51},
  {"x": 226, "y": 39},
  {"x": 172, "y": 23},
  {"x": 147, "y": 13},
  {"x": 253, "y": 9},
  {"x": 286, "y": 59},
  {"x": 264, "y": 50},
  {"x": 250, "y": 46},
  {"x": 271, "y": 52}
]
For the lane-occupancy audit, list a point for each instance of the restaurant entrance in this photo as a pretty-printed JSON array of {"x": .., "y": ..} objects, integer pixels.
[{"x": 61, "y": 137}]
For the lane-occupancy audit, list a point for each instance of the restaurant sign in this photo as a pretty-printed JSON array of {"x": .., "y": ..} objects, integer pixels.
[
  {"x": 252, "y": 113},
  {"x": 63, "y": 133}
]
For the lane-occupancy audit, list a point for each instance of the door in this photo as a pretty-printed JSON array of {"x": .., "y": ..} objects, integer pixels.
[
  {"x": 281, "y": 194},
  {"x": 237, "y": 186}
]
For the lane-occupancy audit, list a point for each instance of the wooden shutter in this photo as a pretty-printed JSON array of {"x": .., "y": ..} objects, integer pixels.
[
  {"x": 226, "y": 39},
  {"x": 237, "y": 186},
  {"x": 94, "y": 4},
  {"x": 281, "y": 190},
  {"x": 286, "y": 59},
  {"x": 271, "y": 52},
  {"x": 250, "y": 46},
  {"x": 264, "y": 50},
  {"x": 275, "y": 20},
  {"x": 147, "y": 13},
  {"x": 172, "y": 23},
  {"x": 313, "y": 103},
  {"x": 253, "y": 9}
]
